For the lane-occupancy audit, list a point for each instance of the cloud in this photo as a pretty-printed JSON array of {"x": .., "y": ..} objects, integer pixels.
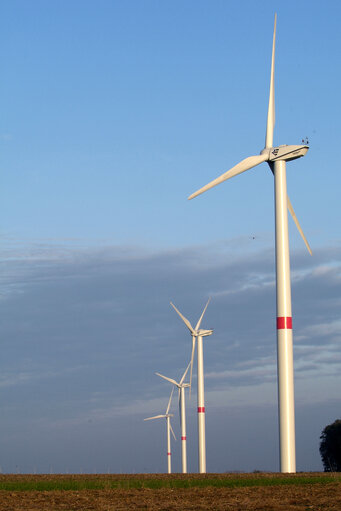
[{"x": 85, "y": 328}]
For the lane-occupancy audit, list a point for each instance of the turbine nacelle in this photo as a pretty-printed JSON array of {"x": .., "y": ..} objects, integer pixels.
[
  {"x": 285, "y": 152},
  {"x": 203, "y": 333},
  {"x": 182, "y": 385}
]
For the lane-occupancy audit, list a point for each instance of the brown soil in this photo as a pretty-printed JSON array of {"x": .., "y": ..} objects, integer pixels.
[{"x": 314, "y": 497}]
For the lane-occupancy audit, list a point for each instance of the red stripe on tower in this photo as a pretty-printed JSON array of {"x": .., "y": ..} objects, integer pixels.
[
  {"x": 183, "y": 438},
  {"x": 169, "y": 453},
  {"x": 201, "y": 409},
  {"x": 284, "y": 322}
]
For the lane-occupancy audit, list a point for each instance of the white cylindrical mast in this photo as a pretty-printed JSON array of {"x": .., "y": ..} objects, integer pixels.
[
  {"x": 286, "y": 405},
  {"x": 169, "y": 454},
  {"x": 183, "y": 431},
  {"x": 201, "y": 409}
]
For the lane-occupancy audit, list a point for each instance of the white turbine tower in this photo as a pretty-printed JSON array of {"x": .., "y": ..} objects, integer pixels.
[
  {"x": 276, "y": 157},
  {"x": 167, "y": 416},
  {"x": 198, "y": 334},
  {"x": 181, "y": 386}
]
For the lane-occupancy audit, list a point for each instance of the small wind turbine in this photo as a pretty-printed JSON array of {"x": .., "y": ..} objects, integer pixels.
[
  {"x": 198, "y": 333},
  {"x": 167, "y": 416},
  {"x": 276, "y": 157},
  {"x": 181, "y": 386}
]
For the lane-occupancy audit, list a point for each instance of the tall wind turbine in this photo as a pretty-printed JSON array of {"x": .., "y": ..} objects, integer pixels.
[
  {"x": 181, "y": 386},
  {"x": 276, "y": 157},
  {"x": 167, "y": 416},
  {"x": 198, "y": 334}
]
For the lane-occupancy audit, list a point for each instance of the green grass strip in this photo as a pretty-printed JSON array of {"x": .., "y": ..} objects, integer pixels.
[{"x": 156, "y": 484}]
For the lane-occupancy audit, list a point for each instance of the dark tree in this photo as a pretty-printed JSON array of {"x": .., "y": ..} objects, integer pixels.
[{"x": 330, "y": 447}]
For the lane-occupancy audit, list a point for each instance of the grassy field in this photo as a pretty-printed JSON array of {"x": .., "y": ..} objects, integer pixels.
[
  {"x": 304, "y": 491},
  {"x": 157, "y": 481}
]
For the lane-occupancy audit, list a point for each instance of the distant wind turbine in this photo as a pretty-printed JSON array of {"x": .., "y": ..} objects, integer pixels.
[
  {"x": 167, "y": 416},
  {"x": 181, "y": 386},
  {"x": 198, "y": 334},
  {"x": 276, "y": 157}
]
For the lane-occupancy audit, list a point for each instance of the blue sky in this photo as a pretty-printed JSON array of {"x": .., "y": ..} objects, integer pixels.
[{"x": 112, "y": 113}]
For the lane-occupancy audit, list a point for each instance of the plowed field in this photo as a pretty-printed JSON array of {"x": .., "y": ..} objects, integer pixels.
[{"x": 262, "y": 492}]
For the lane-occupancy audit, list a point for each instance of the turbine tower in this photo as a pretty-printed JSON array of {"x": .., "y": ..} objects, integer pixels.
[
  {"x": 167, "y": 416},
  {"x": 276, "y": 157},
  {"x": 181, "y": 386},
  {"x": 198, "y": 334}
]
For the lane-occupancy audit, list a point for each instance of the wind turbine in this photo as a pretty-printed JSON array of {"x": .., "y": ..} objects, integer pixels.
[
  {"x": 167, "y": 416},
  {"x": 276, "y": 157},
  {"x": 181, "y": 386},
  {"x": 198, "y": 334}
]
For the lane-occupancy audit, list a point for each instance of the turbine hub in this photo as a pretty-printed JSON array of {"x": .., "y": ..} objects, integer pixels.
[{"x": 266, "y": 151}]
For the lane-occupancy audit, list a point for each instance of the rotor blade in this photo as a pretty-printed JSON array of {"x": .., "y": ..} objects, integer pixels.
[
  {"x": 270, "y": 124},
  {"x": 172, "y": 430},
  {"x": 202, "y": 315},
  {"x": 184, "y": 375},
  {"x": 155, "y": 417},
  {"x": 191, "y": 362},
  {"x": 242, "y": 166},
  {"x": 169, "y": 402},
  {"x": 180, "y": 406},
  {"x": 292, "y": 212},
  {"x": 168, "y": 379},
  {"x": 185, "y": 320}
]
